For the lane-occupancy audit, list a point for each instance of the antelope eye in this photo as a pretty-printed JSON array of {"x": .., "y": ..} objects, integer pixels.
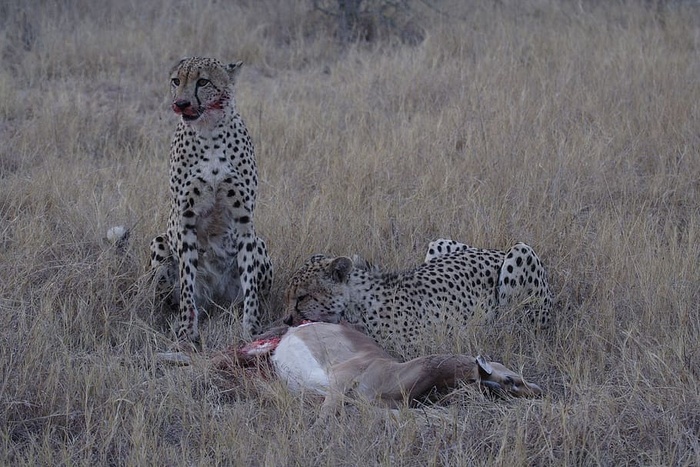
[
  {"x": 175, "y": 81},
  {"x": 202, "y": 82}
]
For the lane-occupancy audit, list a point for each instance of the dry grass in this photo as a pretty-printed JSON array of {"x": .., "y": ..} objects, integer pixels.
[{"x": 572, "y": 126}]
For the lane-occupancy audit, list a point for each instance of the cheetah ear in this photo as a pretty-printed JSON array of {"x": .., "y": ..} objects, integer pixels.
[
  {"x": 316, "y": 258},
  {"x": 233, "y": 69},
  {"x": 177, "y": 65},
  {"x": 340, "y": 268}
]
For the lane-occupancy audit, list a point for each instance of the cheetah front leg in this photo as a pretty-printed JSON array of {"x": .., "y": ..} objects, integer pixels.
[
  {"x": 188, "y": 255},
  {"x": 255, "y": 270}
]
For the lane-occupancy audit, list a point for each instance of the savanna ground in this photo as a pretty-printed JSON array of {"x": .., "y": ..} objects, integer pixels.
[{"x": 572, "y": 126}]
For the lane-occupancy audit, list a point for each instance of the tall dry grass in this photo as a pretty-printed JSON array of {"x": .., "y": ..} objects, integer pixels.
[{"x": 572, "y": 126}]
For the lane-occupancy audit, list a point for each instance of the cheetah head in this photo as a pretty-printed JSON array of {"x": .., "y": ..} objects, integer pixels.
[
  {"x": 318, "y": 291},
  {"x": 201, "y": 86}
]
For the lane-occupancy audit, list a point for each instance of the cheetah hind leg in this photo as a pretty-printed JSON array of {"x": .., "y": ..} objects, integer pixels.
[
  {"x": 165, "y": 276},
  {"x": 522, "y": 282},
  {"x": 443, "y": 246}
]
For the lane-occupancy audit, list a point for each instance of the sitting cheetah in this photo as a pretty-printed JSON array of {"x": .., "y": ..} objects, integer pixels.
[
  {"x": 210, "y": 250},
  {"x": 453, "y": 283}
]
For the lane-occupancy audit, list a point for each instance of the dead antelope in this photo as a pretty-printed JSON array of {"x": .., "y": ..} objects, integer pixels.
[{"x": 336, "y": 360}]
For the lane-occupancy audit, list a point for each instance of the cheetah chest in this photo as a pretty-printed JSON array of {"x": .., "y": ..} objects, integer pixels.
[
  {"x": 216, "y": 209},
  {"x": 215, "y": 193}
]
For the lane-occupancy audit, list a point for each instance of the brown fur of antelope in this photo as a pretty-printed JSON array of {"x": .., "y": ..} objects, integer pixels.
[{"x": 336, "y": 360}]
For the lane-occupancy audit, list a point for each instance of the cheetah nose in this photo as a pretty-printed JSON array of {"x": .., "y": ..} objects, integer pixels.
[{"x": 182, "y": 104}]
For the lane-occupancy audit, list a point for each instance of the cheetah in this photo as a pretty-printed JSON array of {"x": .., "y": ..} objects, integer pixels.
[
  {"x": 453, "y": 283},
  {"x": 210, "y": 251}
]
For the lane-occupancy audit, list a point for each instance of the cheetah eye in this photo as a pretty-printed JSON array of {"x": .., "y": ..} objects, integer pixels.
[
  {"x": 175, "y": 82},
  {"x": 201, "y": 82}
]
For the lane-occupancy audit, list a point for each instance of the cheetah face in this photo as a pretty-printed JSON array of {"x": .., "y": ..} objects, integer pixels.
[
  {"x": 201, "y": 86},
  {"x": 318, "y": 291}
]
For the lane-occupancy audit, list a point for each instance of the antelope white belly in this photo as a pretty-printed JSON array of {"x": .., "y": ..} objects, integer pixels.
[{"x": 295, "y": 364}]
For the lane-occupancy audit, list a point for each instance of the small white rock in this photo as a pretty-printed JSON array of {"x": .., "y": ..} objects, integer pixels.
[{"x": 116, "y": 233}]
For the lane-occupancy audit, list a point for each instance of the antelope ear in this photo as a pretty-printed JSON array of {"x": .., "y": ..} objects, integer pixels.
[
  {"x": 340, "y": 268},
  {"x": 484, "y": 366},
  {"x": 233, "y": 69}
]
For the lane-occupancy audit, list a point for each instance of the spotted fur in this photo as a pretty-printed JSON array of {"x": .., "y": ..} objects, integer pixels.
[
  {"x": 210, "y": 250},
  {"x": 453, "y": 283}
]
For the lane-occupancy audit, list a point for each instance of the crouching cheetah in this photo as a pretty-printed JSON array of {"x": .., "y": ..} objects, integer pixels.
[
  {"x": 210, "y": 250},
  {"x": 453, "y": 283}
]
